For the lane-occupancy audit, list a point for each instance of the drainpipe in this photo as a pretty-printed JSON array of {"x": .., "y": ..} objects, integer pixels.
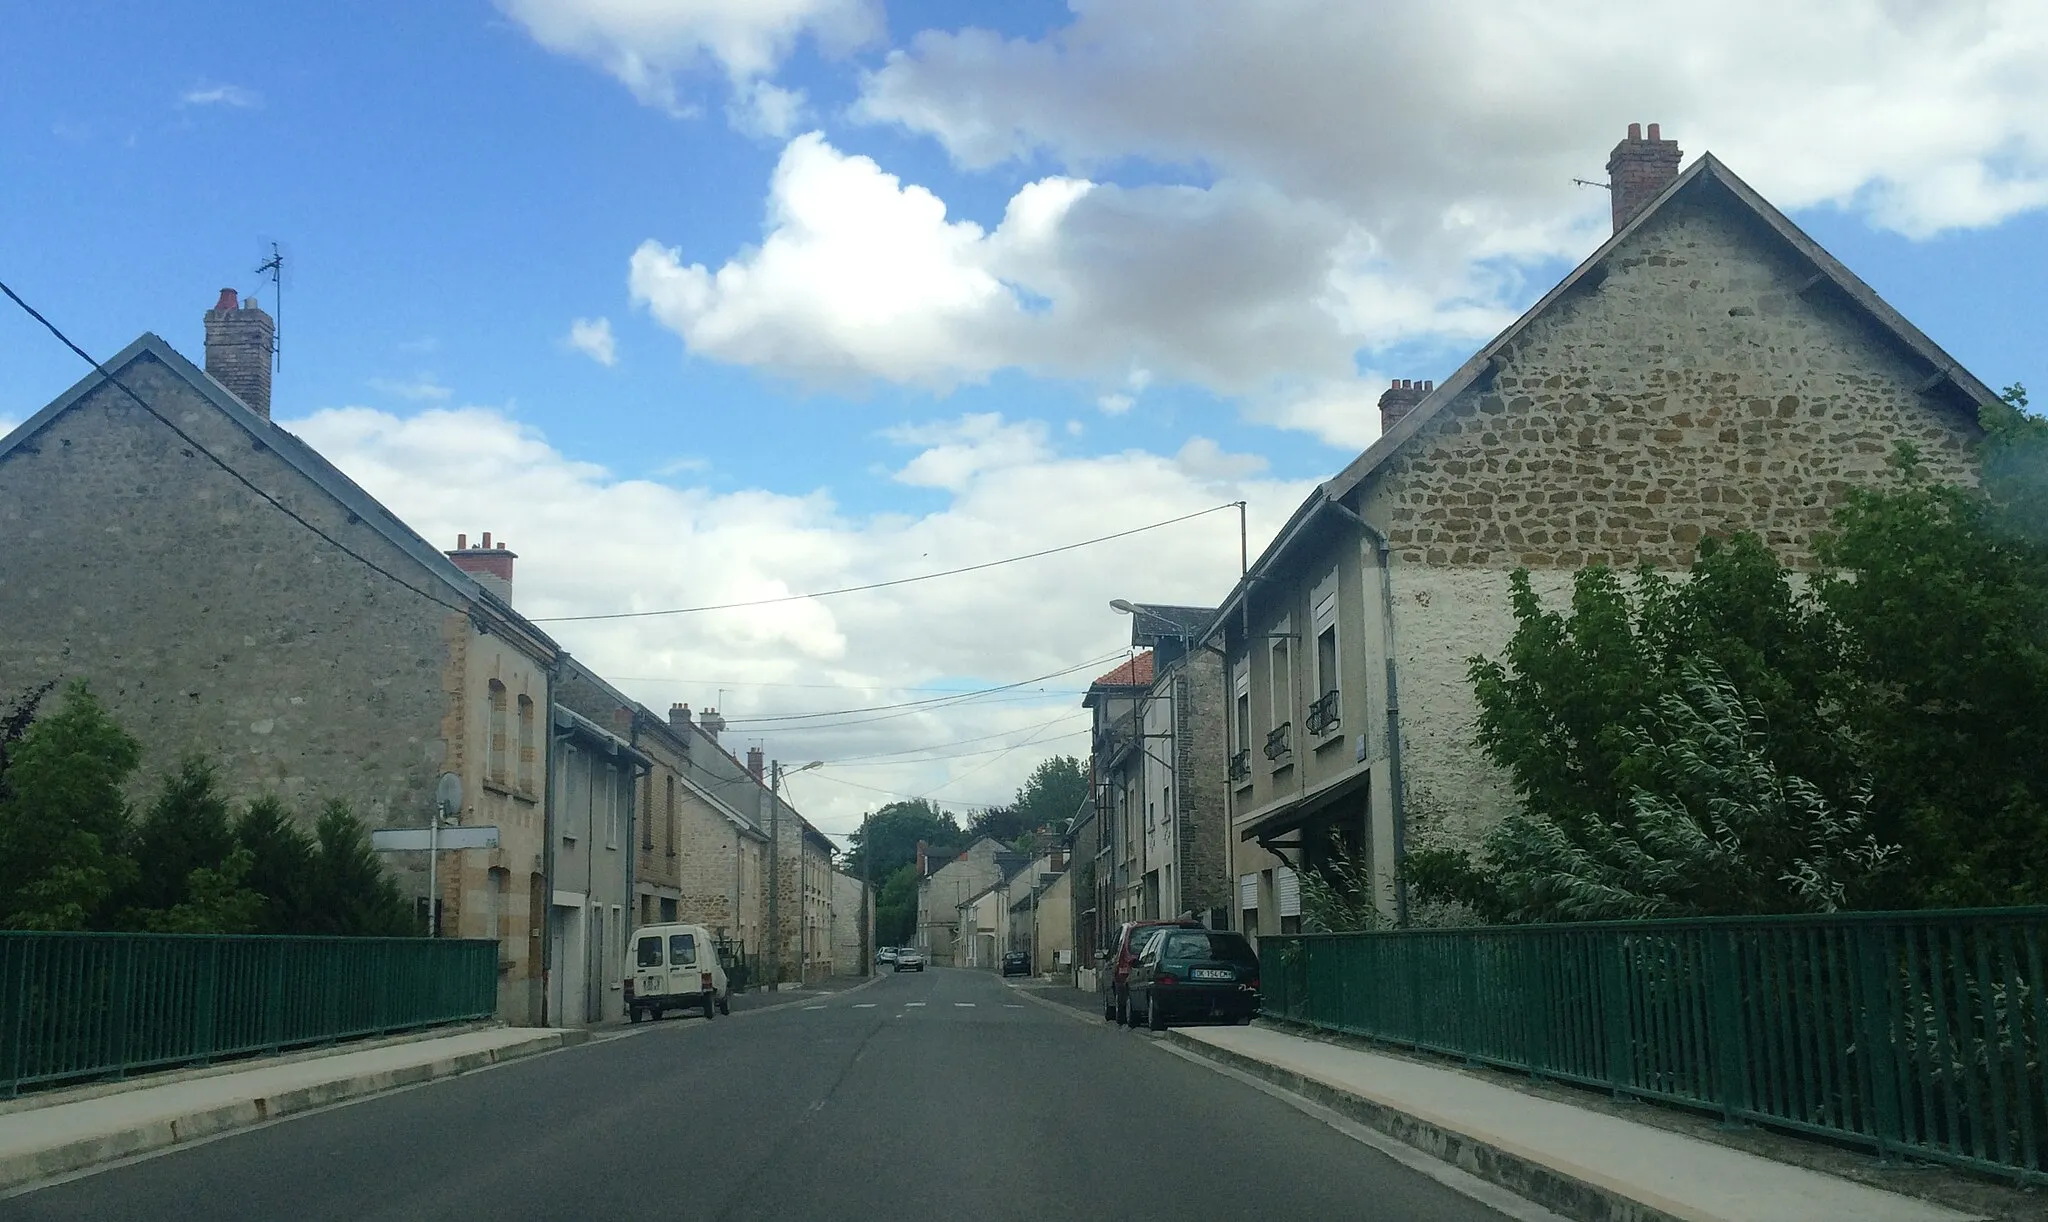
[
  {"x": 546, "y": 916},
  {"x": 1394, "y": 783}
]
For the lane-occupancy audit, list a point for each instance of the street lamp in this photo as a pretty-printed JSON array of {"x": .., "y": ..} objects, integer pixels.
[{"x": 775, "y": 867}]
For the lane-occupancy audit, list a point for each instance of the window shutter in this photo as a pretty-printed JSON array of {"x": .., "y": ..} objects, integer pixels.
[
  {"x": 1248, "y": 891},
  {"x": 1288, "y": 884}
]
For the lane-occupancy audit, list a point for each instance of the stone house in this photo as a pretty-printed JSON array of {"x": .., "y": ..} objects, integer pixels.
[
  {"x": 850, "y": 953},
  {"x": 1709, "y": 369},
  {"x": 1052, "y": 924},
  {"x": 1157, "y": 741},
  {"x": 227, "y": 591},
  {"x": 943, "y": 886},
  {"x": 1084, "y": 847}
]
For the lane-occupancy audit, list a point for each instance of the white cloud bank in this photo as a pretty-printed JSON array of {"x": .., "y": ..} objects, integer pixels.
[{"x": 589, "y": 540}]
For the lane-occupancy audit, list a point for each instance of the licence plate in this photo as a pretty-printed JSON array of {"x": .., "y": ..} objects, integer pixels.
[{"x": 1212, "y": 973}]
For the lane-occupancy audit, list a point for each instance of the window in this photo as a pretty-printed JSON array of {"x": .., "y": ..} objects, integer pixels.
[
  {"x": 1166, "y": 802},
  {"x": 669, "y": 818},
  {"x": 1151, "y": 815},
  {"x": 499, "y": 734},
  {"x": 575, "y": 782},
  {"x": 647, "y": 825},
  {"x": 648, "y": 952},
  {"x": 1323, "y": 715},
  {"x": 606, "y": 781},
  {"x": 527, "y": 757},
  {"x": 1281, "y": 676}
]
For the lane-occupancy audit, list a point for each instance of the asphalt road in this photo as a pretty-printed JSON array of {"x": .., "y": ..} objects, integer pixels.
[{"x": 934, "y": 1095}]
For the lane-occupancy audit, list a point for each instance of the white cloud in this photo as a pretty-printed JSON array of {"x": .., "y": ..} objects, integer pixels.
[
  {"x": 647, "y": 44},
  {"x": 421, "y": 388},
  {"x": 593, "y": 338},
  {"x": 765, "y": 109},
  {"x": 589, "y": 541},
  {"x": 1115, "y": 404},
  {"x": 221, "y": 95},
  {"x": 864, "y": 276},
  {"x": 1451, "y": 128}
]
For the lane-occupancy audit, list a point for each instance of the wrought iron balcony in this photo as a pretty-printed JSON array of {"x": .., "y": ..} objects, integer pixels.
[
  {"x": 1276, "y": 741},
  {"x": 1241, "y": 765},
  {"x": 1323, "y": 715}
]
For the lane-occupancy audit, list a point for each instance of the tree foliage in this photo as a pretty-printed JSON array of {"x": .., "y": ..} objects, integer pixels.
[
  {"x": 63, "y": 819},
  {"x": 896, "y": 907},
  {"x": 895, "y": 830},
  {"x": 1737, "y": 742}
]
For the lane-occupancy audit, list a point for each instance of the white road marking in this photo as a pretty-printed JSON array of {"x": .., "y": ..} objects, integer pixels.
[
  {"x": 814, "y": 1007},
  {"x": 1013, "y": 1005},
  {"x": 912, "y": 1004},
  {"x": 863, "y": 1005},
  {"x": 964, "y": 1005}
]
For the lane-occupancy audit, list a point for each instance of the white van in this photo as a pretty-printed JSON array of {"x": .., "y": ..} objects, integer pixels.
[{"x": 674, "y": 967}]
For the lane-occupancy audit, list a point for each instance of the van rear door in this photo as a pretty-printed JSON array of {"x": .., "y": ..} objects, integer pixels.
[
  {"x": 682, "y": 965},
  {"x": 648, "y": 965}
]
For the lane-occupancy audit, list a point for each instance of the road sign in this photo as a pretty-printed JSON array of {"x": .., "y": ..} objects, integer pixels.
[{"x": 421, "y": 839}]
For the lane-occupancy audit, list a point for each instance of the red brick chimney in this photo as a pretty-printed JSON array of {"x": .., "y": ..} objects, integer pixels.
[
  {"x": 754, "y": 755},
  {"x": 239, "y": 342},
  {"x": 711, "y": 723},
  {"x": 491, "y": 566},
  {"x": 1638, "y": 170},
  {"x": 1400, "y": 399}
]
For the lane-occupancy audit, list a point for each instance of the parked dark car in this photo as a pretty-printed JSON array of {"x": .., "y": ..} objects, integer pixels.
[
  {"x": 1016, "y": 963},
  {"x": 1193, "y": 975},
  {"x": 1113, "y": 973}
]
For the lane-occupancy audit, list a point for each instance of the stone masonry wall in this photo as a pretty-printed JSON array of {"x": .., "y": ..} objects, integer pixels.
[
  {"x": 209, "y": 622},
  {"x": 1695, "y": 391},
  {"x": 1199, "y": 797}
]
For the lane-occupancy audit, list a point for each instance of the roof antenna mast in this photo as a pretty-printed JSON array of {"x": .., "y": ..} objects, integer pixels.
[{"x": 275, "y": 266}]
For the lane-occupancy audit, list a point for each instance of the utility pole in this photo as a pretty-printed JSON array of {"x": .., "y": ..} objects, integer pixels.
[{"x": 774, "y": 874}]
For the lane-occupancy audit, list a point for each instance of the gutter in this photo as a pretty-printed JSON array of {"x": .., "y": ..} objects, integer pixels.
[
  {"x": 1394, "y": 781},
  {"x": 546, "y": 916}
]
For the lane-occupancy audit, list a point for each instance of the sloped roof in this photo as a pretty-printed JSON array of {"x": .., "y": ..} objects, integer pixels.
[
  {"x": 296, "y": 454},
  {"x": 1138, "y": 672},
  {"x": 1705, "y": 173},
  {"x": 1151, "y": 621}
]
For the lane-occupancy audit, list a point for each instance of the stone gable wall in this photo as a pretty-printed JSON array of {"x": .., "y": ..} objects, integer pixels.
[{"x": 1695, "y": 390}]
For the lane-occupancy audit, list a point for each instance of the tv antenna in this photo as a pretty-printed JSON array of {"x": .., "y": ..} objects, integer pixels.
[
  {"x": 274, "y": 265},
  {"x": 1587, "y": 182}
]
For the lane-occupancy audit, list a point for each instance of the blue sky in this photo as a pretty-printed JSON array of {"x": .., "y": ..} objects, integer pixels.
[{"x": 1201, "y": 248}]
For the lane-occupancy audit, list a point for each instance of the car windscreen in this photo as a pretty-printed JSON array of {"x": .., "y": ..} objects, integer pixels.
[
  {"x": 1202, "y": 944},
  {"x": 648, "y": 951},
  {"x": 682, "y": 949}
]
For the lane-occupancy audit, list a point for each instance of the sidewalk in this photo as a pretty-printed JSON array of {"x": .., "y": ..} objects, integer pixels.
[
  {"x": 75, "y": 1130},
  {"x": 1578, "y": 1162}
]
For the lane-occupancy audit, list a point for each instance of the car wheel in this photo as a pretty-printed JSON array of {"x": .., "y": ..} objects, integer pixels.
[
  {"x": 1109, "y": 1009},
  {"x": 1153, "y": 1018},
  {"x": 1123, "y": 1010},
  {"x": 710, "y": 1005}
]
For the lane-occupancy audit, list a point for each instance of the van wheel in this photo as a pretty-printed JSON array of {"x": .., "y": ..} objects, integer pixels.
[
  {"x": 725, "y": 1004},
  {"x": 710, "y": 1005},
  {"x": 633, "y": 1014}
]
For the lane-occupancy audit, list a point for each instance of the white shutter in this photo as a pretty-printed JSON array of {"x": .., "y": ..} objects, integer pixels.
[
  {"x": 1288, "y": 884},
  {"x": 1324, "y": 601},
  {"x": 1248, "y": 891}
]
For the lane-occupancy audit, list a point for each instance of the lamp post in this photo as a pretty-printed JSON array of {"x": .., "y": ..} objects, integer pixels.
[{"x": 775, "y": 867}]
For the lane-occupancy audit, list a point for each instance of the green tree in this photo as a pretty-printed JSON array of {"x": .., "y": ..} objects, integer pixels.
[
  {"x": 351, "y": 894},
  {"x": 896, "y": 908},
  {"x": 186, "y": 828},
  {"x": 1053, "y": 793},
  {"x": 1943, "y": 591},
  {"x": 215, "y": 899},
  {"x": 895, "y": 830},
  {"x": 1714, "y": 828},
  {"x": 283, "y": 866},
  {"x": 63, "y": 821}
]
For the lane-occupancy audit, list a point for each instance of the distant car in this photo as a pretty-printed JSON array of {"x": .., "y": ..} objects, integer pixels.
[
  {"x": 909, "y": 959},
  {"x": 1112, "y": 975},
  {"x": 1195, "y": 975},
  {"x": 886, "y": 955},
  {"x": 1016, "y": 963}
]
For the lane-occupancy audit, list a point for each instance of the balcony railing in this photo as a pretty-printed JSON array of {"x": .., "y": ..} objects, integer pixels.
[
  {"x": 1241, "y": 765},
  {"x": 1276, "y": 741},
  {"x": 1323, "y": 716}
]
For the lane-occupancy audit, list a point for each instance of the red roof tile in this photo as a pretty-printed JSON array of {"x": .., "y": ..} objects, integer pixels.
[{"x": 1135, "y": 673}]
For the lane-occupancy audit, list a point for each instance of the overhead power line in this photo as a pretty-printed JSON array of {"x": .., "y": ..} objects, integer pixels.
[
  {"x": 883, "y": 585},
  {"x": 935, "y": 701}
]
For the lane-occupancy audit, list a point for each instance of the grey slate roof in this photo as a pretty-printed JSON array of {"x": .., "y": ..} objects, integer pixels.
[{"x": 296, "y": 454}]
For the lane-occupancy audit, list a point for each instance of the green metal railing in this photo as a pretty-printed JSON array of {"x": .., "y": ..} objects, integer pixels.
[
  {"x": 1919, "y": 1034},
  {"x": 75, "y": 1006}
]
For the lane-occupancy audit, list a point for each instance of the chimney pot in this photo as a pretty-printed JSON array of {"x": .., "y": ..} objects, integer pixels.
[
  {"x": 1635, "y": 131},
  {"x": 487, "y": 540},
  {"x": 461, "y": 543},
  {"x": 492, "y": 567},
  {"x": 1398, "y": 400},
  {"x": 1654, "y": 134},
  {"x": 239, "y": 345}
]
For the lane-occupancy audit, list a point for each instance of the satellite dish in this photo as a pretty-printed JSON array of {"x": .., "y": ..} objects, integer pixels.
[{"x": 448, "y": 794}]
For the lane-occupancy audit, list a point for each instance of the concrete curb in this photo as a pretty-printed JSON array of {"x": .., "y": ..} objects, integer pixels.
[
  {"x": 1526, "y": 1177},
  {"x": 34, "y": 1166}
]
